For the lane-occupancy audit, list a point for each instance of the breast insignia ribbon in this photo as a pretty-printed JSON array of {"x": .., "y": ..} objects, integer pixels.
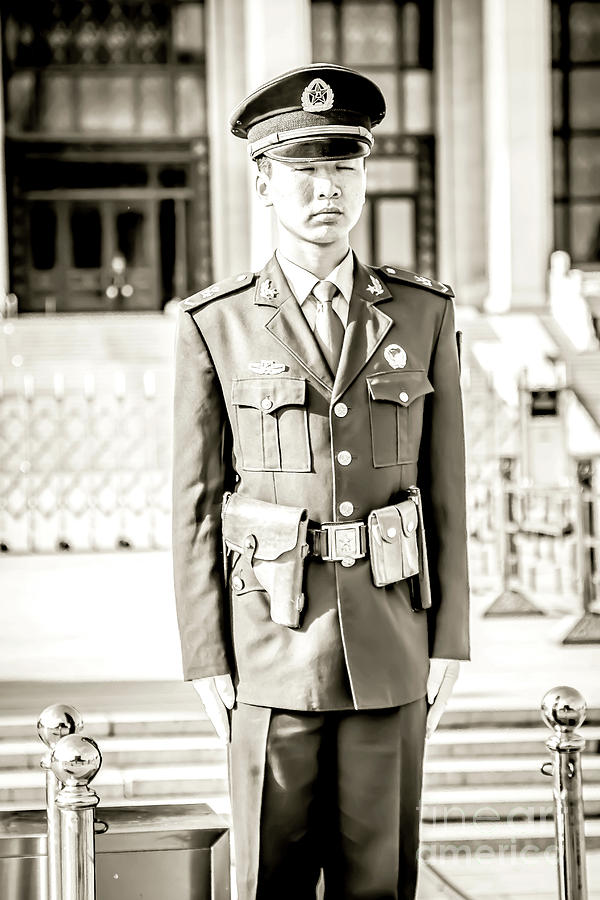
[{"x": 267, "y": 367}]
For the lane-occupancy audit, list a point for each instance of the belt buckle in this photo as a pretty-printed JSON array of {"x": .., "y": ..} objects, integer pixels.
[{"x": 344, "y": 542}]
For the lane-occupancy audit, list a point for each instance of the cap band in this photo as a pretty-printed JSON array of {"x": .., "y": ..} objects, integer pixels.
[{"x": 299, "y": 134}]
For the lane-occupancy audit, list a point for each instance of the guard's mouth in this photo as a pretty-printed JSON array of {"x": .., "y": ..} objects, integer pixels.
[{"x": 328, "y": 211}]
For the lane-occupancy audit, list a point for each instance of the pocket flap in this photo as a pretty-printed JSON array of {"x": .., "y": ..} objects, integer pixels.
[
  {"x": 275, "y": 527},
  {"x": 393, "y": 521},
  {"x": 409, "y": 516},
  {"x": 399, "y": 387},
  {"x": 268, "y": 394},
  {"x": 389, "y": 523}
]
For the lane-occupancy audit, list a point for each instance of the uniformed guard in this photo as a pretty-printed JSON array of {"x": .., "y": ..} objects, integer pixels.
[{"x": 319, "y": 536}]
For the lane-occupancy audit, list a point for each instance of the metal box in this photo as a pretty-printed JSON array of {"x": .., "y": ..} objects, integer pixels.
[{"x": 148, "y": 852}]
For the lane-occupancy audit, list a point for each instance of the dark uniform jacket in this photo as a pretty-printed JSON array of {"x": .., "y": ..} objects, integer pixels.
[{"x": 276, "y": 437}]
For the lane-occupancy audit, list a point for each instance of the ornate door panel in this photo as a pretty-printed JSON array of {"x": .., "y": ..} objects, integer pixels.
[{"x": 107, "y": 152}]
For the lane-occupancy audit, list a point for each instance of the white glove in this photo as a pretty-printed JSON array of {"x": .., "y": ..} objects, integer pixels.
[
  {"x": 442, "y": 676},
  {"x": 218, "y": 695}
]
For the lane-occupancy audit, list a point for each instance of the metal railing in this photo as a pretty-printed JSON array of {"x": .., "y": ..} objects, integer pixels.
[
  {"x": 85, "y": 461},
  {"x": 70, "y": 761},
  {"x": 563, "y": 710}
]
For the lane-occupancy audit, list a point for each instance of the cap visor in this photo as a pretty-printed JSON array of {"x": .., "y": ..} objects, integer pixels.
[{"x": 319, "y": 150}]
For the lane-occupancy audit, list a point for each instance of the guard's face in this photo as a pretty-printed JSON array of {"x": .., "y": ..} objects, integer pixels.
[{"x": 319, "y": 202}]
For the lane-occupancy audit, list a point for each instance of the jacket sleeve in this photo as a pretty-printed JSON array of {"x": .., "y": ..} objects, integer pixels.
[
  {"x": 442, "y": 481},
  {"x": 200, "y": 476}
]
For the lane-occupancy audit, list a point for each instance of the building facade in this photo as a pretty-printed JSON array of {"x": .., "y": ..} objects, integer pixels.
[{"x": 124, "y": 189}]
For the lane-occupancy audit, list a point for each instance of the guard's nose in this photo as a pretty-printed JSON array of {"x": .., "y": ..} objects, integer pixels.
[{"x": 327, "y": 189}]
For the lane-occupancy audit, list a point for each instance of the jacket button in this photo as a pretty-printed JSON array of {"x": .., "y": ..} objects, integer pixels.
[
  {"x": 266, "y": 403},
  {"x": 346, "y": 508},
  {"x": 391, "y": 532},
  {"x": 341, "y": 410},
  {"x": 237, "y": 583},
  {"x": 410, "y": 526},
  {"x": 403, "y": 396},
  {"x": 344, "y": 457}
]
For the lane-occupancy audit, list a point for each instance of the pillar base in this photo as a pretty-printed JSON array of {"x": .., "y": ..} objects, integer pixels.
[
  {"x": 513, "y": 603},
  {"x": 585, "y": 631}
]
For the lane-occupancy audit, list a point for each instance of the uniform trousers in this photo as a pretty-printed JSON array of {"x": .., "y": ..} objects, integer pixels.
[{"x": 333, "y": 791}]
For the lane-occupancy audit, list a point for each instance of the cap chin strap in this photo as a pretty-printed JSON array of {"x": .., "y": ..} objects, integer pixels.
[{"x": 311, "y": 133}]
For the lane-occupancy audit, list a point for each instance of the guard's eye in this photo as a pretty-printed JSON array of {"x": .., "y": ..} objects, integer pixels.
[{"x": 304, "y": 168}]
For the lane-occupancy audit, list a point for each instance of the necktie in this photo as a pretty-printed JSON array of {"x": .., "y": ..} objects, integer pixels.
[{"x": 329, "y": 330}]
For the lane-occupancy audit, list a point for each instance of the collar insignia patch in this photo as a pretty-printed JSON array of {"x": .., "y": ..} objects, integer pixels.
[
  {"x": 375, "y": 288},
  {"x": 423, "y": 280},
  {"x": 268, "y": 291},
  {"x": 267, "y": 367},
  {"x": 395, "y": 356},
  {"x": 209, "y": 292},
  {"x": 317, "y": 96}
]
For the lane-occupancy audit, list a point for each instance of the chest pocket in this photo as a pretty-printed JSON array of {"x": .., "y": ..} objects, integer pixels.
[
  {"x": 272, "y": 424},
  {"x": 396, "y": 401}
]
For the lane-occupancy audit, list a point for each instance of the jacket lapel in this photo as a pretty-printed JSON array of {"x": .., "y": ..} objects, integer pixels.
[
  {"x": 288, "y": 324},
  {"x": 367, "y": 327}
]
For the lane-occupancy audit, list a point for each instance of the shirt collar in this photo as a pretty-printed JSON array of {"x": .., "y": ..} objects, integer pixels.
[{"x": 302, "y": 281}]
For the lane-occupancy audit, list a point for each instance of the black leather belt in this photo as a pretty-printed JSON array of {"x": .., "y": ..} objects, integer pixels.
[{"x": 343, "y": 542}]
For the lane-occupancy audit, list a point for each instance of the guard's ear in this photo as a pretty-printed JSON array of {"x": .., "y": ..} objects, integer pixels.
[{"x": 263, "y": 188}]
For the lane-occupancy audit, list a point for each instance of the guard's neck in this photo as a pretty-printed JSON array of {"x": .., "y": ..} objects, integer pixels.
[{"x": 320, "y": 259}]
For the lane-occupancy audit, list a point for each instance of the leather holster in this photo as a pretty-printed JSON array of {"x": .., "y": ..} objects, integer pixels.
[{"x": 272, "y": 538}]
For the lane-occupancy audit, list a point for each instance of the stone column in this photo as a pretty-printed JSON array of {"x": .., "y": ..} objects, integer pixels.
[
  {"x": 460, "y": 152},
  {"x": 226, "y": 86},
  {"x": 277, "y": 38},
  {"x": 518, "y": 134}
]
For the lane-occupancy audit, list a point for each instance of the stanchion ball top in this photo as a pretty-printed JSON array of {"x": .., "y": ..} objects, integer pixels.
[
  {"x": 563, "y": 707},
  {"x": 56, "y": 721},
  {"x": 76, "y": 759}
]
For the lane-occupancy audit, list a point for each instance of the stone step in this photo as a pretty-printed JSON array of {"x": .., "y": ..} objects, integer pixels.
[
  {"x": 503, "y": 770},
  {"x": 28, "y": 786},
  {"x": 121, "y": 723},
  {"x": 513, "y": 803},
  {"x": 461, "y": 725},
  {"x": 466, "y": 803},
  {"x": 456, "y": 840},
  {"x": 478, "y": 742},
  {"x": 494, "y": 712},
  {"x": 124, "y": 752},
  {"x": 127, "y": 753}
]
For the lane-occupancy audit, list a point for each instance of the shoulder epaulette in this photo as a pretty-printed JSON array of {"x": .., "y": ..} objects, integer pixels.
[
  {"x": 418, "y": 280},
  {"x": 219, "y": 289}
]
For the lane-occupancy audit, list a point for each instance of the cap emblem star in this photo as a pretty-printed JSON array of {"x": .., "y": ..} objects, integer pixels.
[{"x": 317, "y": 96}]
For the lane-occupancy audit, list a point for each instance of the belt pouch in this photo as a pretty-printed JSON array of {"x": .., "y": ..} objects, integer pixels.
[
  {"x": 273, "y": 538},
  {"x": 393, "y": 543}
]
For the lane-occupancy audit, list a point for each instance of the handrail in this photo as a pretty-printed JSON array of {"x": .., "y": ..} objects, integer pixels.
[
  {"x": 563, "y": 710},
  {"x": 54, "y": 723},
  {"x": 76, "y": 760}
]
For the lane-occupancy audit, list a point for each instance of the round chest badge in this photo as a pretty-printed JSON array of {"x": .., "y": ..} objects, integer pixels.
[
  {"x": 395, "y": 356},
  {"x": 317, "y": 96}
]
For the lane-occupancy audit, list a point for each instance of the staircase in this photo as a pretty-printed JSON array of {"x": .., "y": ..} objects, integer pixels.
[{"x": 483, "y": 784}]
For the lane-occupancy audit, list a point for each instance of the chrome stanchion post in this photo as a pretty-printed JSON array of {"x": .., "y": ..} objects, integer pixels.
[
  {"x": 54, "y": 723},
  {"x": 563, "y": 710},
  {"x": 76, "y": 760}
]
